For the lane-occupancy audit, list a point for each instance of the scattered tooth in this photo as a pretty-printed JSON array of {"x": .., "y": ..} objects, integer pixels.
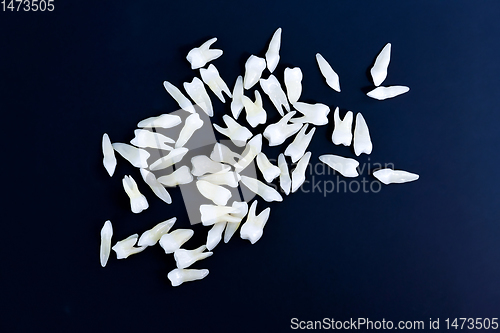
[
  {"x": 253, "y": 147},
  {"x": 200, "y": 56},
  {"x": 346, "y": 166},
  {"x": 174, "y": 156},
  {"x": 273, "y": 51},
  {"x": 253, "y": 227},
  {"x": 215, "y": 235},
  {"x": 332, "y": 78},
  {"x": 148, "y": 139},
  {"x": 179, "y": 276},
  {"x": 152, "y": 236},
  {"x": 202, "y": 164},
  {"x": 299, "y": 173},
  {"x": 237, "y": 103},
  {"x": 185, "y": 258},
  {"x": 109, "y": 160},
  {"x": 163, "y": 121},
  {"x": 230, "y": 178},
  {"x": 180, "y": 176},
  {"x": 382, "y": 93},
  {"x": 136, "y": 156},
  {"x": 298, "y": 147},
  {"x": 255, "y": 112},
  {"x": 389, "y": 176},
  {"x": 211, "y": 214},
  {"x": 285, "y": 180},
  {"x": 362, "y": 141},
  {"x": 342, "y": 132},
  {"x": 179, "y": 97},
  {"x": 222, "y": 153},
  {"x": 106, "y": 234},
  {"x": 196, "y": 90},
  {"x": 232, "y": 227},
  {"x": 293, "y": 83},
  {"x": 193, "y": 123},
  {"x": 218, "y": 194},
  {"x": 273, "y": 89},
  {"x": 156, "y": 186},
  {"x": 253, "y": 71},
  {"x": 126, "y": 247},
  {"x": 237, "y": 133},
  {"x": 173, "y": 241},
  {"x": 277, "y": 133},
  {"x": 379, "y": 69},
  {"x": 267, "y": 193},
  {"x": 138, "y": 201},
  {"x": 315, "y": 114},
  {"x": 212, "y": 79},
  {"x": 268, "y": 170}
]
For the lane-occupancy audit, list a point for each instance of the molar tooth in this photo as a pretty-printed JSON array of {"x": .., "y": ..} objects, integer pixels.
[
  {"x": 315, "y": 114},
  {"x": 285, "y": 181},
  {"x": 136, "y": 156},
  {"x": 299, "y": 173},
  {"x": 362, "y": 141},
  {"x": 389, "y": 176},
  {"x": 222, "y": 178},
  {"x": 179, "y": 276},
  {"x": 179, "y": 97},
  {"x": 203, "y": 164},
  {"x": 173, "y": 241},
  {"x": 106, "y": 234},
  {"x": 277, "y": 133},
  {"x": 255, "y": 112},
  {"x": 232, "y": 227},
  {"x": 185, "y": 258},
  {"x": 253, "y": 71},
  {"x": 346, "y": 166},
  {"x": 222, "y": 153},
  {"x": 212, "y": 79},
  {"x": 215, "y": 235},
  {"x": 293, "y": 83},
  {"x": 193, "y": 123},
  {"x": 379, "y": 69},
  {"x": 174, "y": 156},
  {"x": 253, "y": 147},
  {"x": 382, "y": 93},
  {"x": 332, "y": 78},
  {"x": 200, "y": 56},
  {"x": 273, "y": 51},
  {"x": 196, "y": 90},
  {"x": 180, "y": 176},
  {"x": 152, "y": 236},
  {"x": 253, "y": 227},
  {"x": 268, "y": 170},
  {"x": 156, "y": 186},
  {"x": 273, "y": 89},
  {"x": 148, "y": 139},
  {"x": 138, "y": 201},
  {"x": 234, "y": 131},
  {"x": 298, "y": 147},
  {"x": 267, "y": 193},
  {"x": 109, "y": 160},
  {"x": 218, "y": 194},
  {"x": 211, "y": 214},
  {"x": 126, "y": 247},
  {"x": 237, "y": 103},
  {"x": 342, "y": 132},
  {"x": 163, "y": 121}
]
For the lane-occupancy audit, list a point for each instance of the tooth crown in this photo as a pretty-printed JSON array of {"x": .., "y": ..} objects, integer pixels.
[
  {"x": 273, "y": 89},
  {"x": 180, "y": 176},
  {"x": 273, "y": 51},
  {"x": 222, "y": 153},
  {"x": 173, "y": 241},
  {"x": 229, "y": 178},
  {"x": 109, "y": 159},
  {"x": 277, "y": 133},
  {"x": 237, "y": 102},
  {"x": 212, "y": 79},
  {"x": 138, "y": 201},
  {"x": 332, "y": 78},
  {"x": 174, "y": 156},
  {"x": 179, "y": 276},
  {"x": 218, "y": 194},
  {"x": 255, "y": 112},
  {"x": 285, "y": 180},
  {"x": 315, "y": 114},
  {"x": 346, "y": 166},
  {"x": 237, "y": 133},
  {"x": 299, "y": 173},
  {"x": 298, "y": 147},
  {"x": 379, "y": 69},
  {"x": 342, "y": 132},
  {"x": 362, "y": 140},
  {"x": 125, "y": 248},
  {"x": 152, "y": 236},
  {"x": 156, "y": 186},
  {"x": 253, "y": 71},
  {"x": 267, "y": 193},
  {"x": 268, "y": 170},
  {"x": 136, "y": 156},
  {"x": 253, "y": 147},
  {"x": 147, "y": 139},
  {"x": 253, "y": 227},
  {"x": 193, "y": 123},
  {"x": 382, "y": 93},
  {"x": 214, "y": 235},
  {"x": 196, "y": 90},
  {"x": 389, "y": 176},
  {"x": 179, "y": 97},
  {"x": 163, "y": 121},
  {"x": 185, "y": 258},
  {"x": 200, "y": 56},
  {"x": 293, "y": 83},
  {"x": 106, "y": 234}
]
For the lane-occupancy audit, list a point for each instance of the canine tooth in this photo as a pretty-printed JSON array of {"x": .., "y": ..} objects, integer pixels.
[
  {"x": 299, "y": 173},
  {"x": 389, "y": 176},
  {"x": 185, "y": 258},
  {"x": 253, "y": 147},
  {"x": 379, "y": 69},
  {"x": 230, "y": 179},
  {"x": 203, "y": 164},
  {"x": 255, "y": 112},
  {"x": 152, "y": 236},
  {"x": 342, "y": 132},
  {"x": 315, "y": 114},
  {"x": 179, "y": 97},
  {"x": 179, "y": 276},
  {"x": 148, "y": 139},
  {"x": 106, "y": 234},
  {"x": 212, "y": 79},
  {"x": 215, "y": 235},
  {"x": 273, "y": 51},
  {"x": 136, "y": 156},
  {"x": 346, "y": 166},
  {"x": 332, "y": 78},
  {"x": 211, "y": 214},
  {"x": 174, "y": 156},
  {"x": 298, "y": 147},
  {"x": 193, "y": 123},
  {"x": 156, "y": 186},
  {"x": 273, "y": 89},
  {"x": 222, "y": 153},
  {"x": 173, "y": 241},
  {"x": 232, "y": 227},
  {"x": 253, "y": 227},
  {"x": 293, "y": 84},
  {"x": 196, "y": 90},
  {"x": 109, "y": 160},
  {"x": 200, "y": 56},
  {"x": 234, "y": 131},
  {"x": 180, "y": 176},
  {"x": 163, "y": 121},
  {"x": 253, "y": 71},
  {"x": 277, "y": 133},
  {"x": 362, "y": 141},
  {"x": 285, "y": 181},
  {"x": 382, "y": 93},
  {"x": 237, "y": 103},
  {"x": 138, "y": 201},
  {"x": 126, "y": 247},
  {"x": 218, "y": 194},
  {"x": 268, "y": 170},
  {"x": 267, "y": 193}
]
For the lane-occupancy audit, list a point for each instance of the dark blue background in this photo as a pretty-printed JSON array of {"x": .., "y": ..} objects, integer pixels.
[{"x": 428, "y": 249}]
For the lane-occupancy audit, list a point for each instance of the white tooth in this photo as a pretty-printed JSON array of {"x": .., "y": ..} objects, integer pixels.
[
  {"x": 200, "y": 56},
  {"x": 179, "y": 276},
  {"x": 163, "y": 121},
  {"x": 147, "y": 139},
  {"x": 211, "y": 214},
  {"x": 285, "y": 181},
  {"x": 382, "y": 93},
  {"x": 230, "y": 179},
  {"x": 218, "y": 194},
  {"x": 273, "y": 51},
  {"x": 253, "y": 71},
  {"x": 298, "y": 147},
  {"x": 193, "y": 123},
  {"x": 174, "y": 156},
  {"x": 185, "y": 258},
  {"x": 136, "y": 156},
  {"x": 293, "y": 83},
  {"x": 273, "y": 89},
  {"x": 255, "y": 112},
  {"x": 203, "y": 164},
  {"x": 152, "y": 236},
  {"x": 215, "y": 235},
  {"x": 277, "y": 133},
  {"x": 212, "y": 79},
  {"x": 180, "y": 176},
  {"x": 332, "y": 78},
  {"x": 299, "y": 173},
  {"x": 253, "y": 227},
  {"x": 179, "y": 97},
  {"x": 106, "y": 234},
  {"x": 234, "y": 131},
  {"x": 222, "y": 153},
  {"x": 232, "y": 227},
  {"x": 253, "y": 147},
  {"x": 237, "y": 103},
  {"x": 196, "y": 90},
  {"x": 267, "y": 193},
  {"x": 362, "y": 141},
  {"x": 174, "y": 240},
  {"x": 346, "y": 166},
  {"x": 126, "y": 247},
  {"x": 389, "y": 176},
  {"x": 156, "y": 186},
  {"x": 108, "y": 152},
  {"x": 269, "y": 171},
  {"x": 315, "y": 114},
  {"x": 379, "y": 69},
  {"x": 342, "y": 133},
  {"x": 138, "y": 201}
]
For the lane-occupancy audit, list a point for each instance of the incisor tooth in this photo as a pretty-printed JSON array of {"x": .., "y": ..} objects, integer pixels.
[
  {"x": 237, "y": 103},
  {"x": 233, "y": 226},
  {"x": 193, "y": 123},
  {"x": 179, "y": 97},
  {"x": 389, "y": 176},
  {"x": 298, "y": 147},
  {"x": 273, "y": 89},
  {"x": 196, "y": 90},
  {"x": 185, "y": 258},
  {"x": 379, "y": 69},
  {"x": 346, "y": 166},
  {"x": 180, "y": 176},
  {"x": 273, "y": 51},
  {"x": 163, "y": 121},
  {"x": 382, "y": 93},
  {"x": 332, "y": 78},
  {"x": 253, "y": 71},
  {"x": 126, "y": 247},
  {"x": 179, "y": 276},
  {"x": 293, "y": 83},
  {"x": 152, "y": 236},
  {"x": 136, "y": 156},
  {"x": 268, "y": 170},
  {"x": 156, "y": 186},
  {"x": 230, "y": 179},
  {"x": 202, "y": 164},
  {"x": 237, "y": 133},
  {"x": 315, "y": 114},
  {"x": 200, "y": 56},
  {"x": 214, "y": 235},
  {"x": 148, "y": 139},
  {"x": 212, "y": 79},
  {"x": 218, "y": 194},
  {"x": 277, "y": 133},
  {"x": 299, "y": 173},
  {"x": 342, "y": 132},
  {"x": 174, "y": 240},
  {"x": 362, "y": 141},
  {"x": 253, "y": 147},
  {"x": 285, "y": 180},
  {"x": 174, "y": 156},
  {"x": 267, "y": 193},
  {"x": 222, "y": 153},
  {"x": 106, "y": 234},
  {"x": 255, "y": 112},
  {"x": 138, "y": 201},
  {"x": 253, "y": 227},
  {"x": 109, "y": 160}
]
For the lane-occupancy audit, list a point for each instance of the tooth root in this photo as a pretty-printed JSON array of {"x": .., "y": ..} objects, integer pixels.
[
  {"x": 222, "y": 153},
  {"x": 382, "y": 93},
  {"x": 285, "y": 180},
  {"x": 332, "y": 78},
  {"x": 163, "y": 121},
  {"x": 200, "y": 56},
  {"x": 174, "y": 156},
  {"x": 153, "y": 235},
  {"x": 179, "y": 276},
  {"x": 346, "y": 166},
  {"x": 202, "y": 164},
  {"x": 273, "y": 89},
  {"x": 211, "y": 214},
  {"x": 253, "y": 147},
  {"x": 136, "y": 156},
  {"x": 362, "y": 141},
  {"x": 109, "y": 159},
  {"x": 277, "y": 133},
  {"x": 106, "y": 234},
  {"x": 234, "y": 131},
  {"x": 299, "y": 173},
  {"x": 232, "y": 227},
  {"x": 138, "y": 201},
  {"x": 268, "y": 170},
  {"x": 379, "y": 69},
  {"x": 180, "y": 176},
  {"x": 230, "y": 179},
  {"x": 273, "y": 51},
  {"x": 185, "y": 258},
  {"x": 255, "y": 112},
  {"x": 147, "y": 139},
  {"x": 253, "y": 71},
  {"x": 196, "y": 90},
  {"x": 267, "y": 193},
  {"x": 389, "y": 176},
  {"x": 298, "y": 147},
  {"x": 253, "y": 227},
  {"x": 193, "y": 123},
  {"x": 215, "y": 235},
  {"x": 126, "y": 247},
  {"x": 212, "y": 79},
  {"x": 342, "y": 132},
  {"x": 293, "y": 83},
  {"x": 315, "y": 114},
  {"x": 173, "y": 241},
  {"x": 218, "y": 194},
  {"x": 237, "y": 102},
  {"x": 179, "y": 97},
  {"x": 156, "y": 186}
]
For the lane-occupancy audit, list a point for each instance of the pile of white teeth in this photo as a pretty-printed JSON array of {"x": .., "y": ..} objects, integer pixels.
[{"x": 223, "y": 168}]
